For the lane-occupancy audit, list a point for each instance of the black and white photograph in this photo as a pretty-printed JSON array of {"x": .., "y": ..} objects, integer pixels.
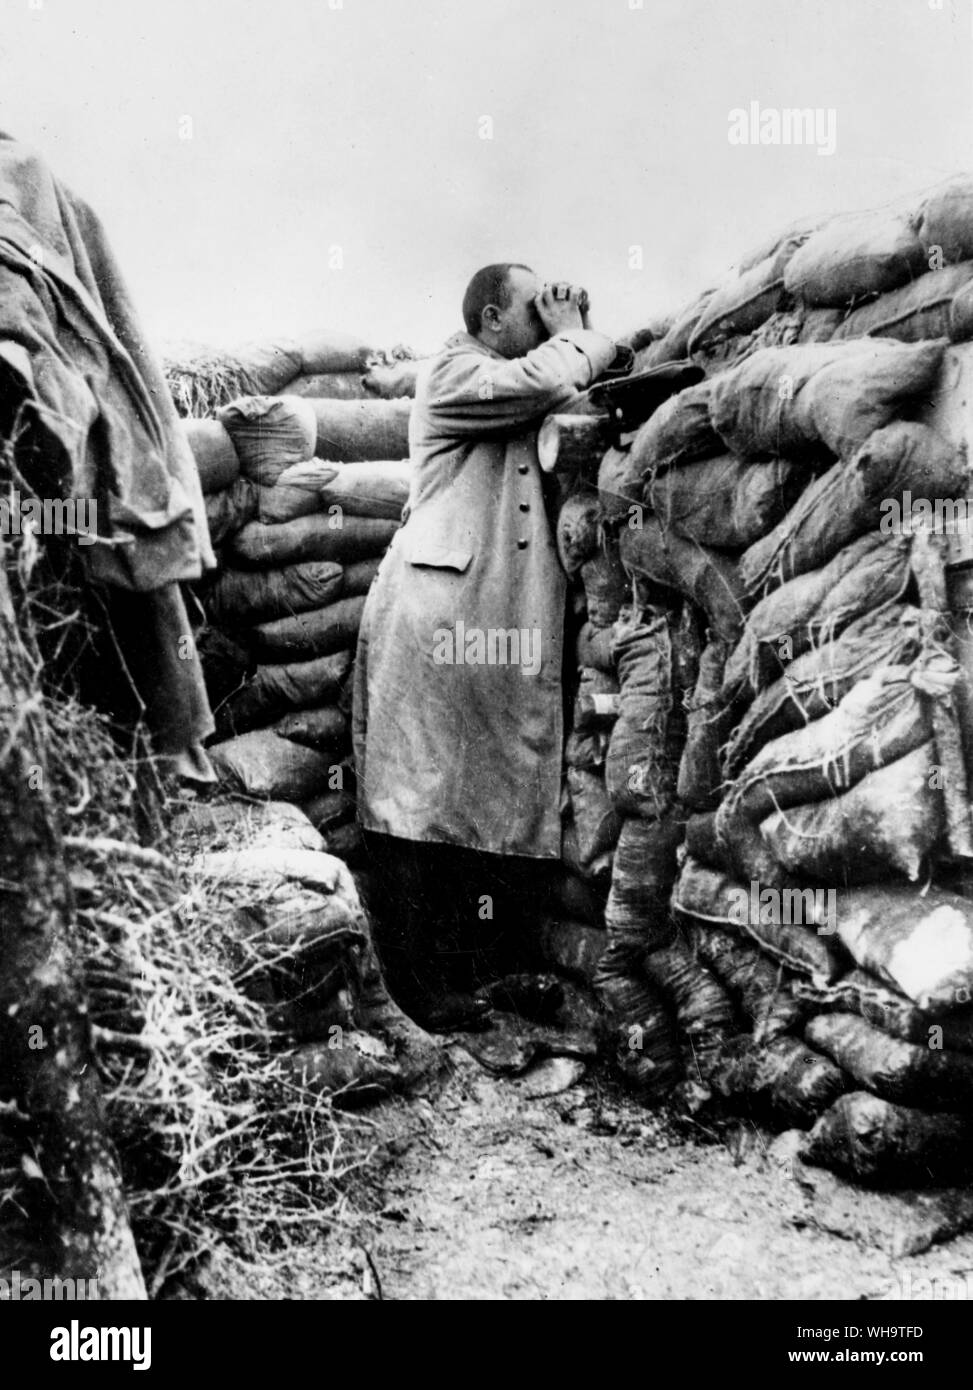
[{"x": 486, "y": 667}]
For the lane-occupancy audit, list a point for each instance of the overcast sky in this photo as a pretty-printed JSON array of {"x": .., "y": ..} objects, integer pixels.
[{"x": 352, "y": 131}]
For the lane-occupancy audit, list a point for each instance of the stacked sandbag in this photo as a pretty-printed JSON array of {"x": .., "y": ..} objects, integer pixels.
[
  {"x": 300, "y": 541},
  {"x": 300, "y": 944},
  {"x": 821, "y": 780}
]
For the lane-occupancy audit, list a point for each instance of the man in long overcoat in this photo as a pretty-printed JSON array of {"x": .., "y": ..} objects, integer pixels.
[{"x": 458, "y": 718}]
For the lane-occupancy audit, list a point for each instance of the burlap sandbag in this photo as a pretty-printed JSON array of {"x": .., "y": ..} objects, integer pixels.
[
  {"x": 269, "y": 433},
  {"x": 338, "y": 386},
  {"x": 228, "y": 510},
  {"x": 596, "y": 822},
  {"x": 851, "y": 258},
  {"x": 704, "y": 1012},
  {"x": 902, "y": 1072},
  {"x": 391, "y": 381},
  {"x": 746, "y": 300},
  {"x": 724, "y": 501},
  {"x": 585, "y": 750},
  {"x": 318, "y": 537},
  {"x": 886, "y": 825},
  {"x": 814, "y": 683},
  {"x": 637, "y": 912},
  {"x": 620, "y": 486},
  {"x": 274, "y": 690},
  {"x": 597, "y": 702},
  {"x": 318, "y": 632},
  {"x": 875, "y": 1142},
  {"x": 881, "y": 719},
  {"x": 848, "y": 500},
  {"x": 356, "y": 431},
  {"x": 709, "y": 577},
  {"x": 359, "y": 576},
  {"x": 920, "y": 943},
  {"x": 784, "y": 1081},
  {"x": 378, "y": 488},
  {"x": 946, "y": 220},
  {"x": 776, "y": 923},
  {"x": 798, "y": 230},
  {"x": 593, "y": 648},
  {"x": 216, "y": 459},
  {"x": 279, "y": 503},
  {"x": 606, "y": 585},
  {"x": 262, "y": 764},
  {"x": 674, "y": 345},
  {"x": 796, "y": 402},
  {"x": 700, "y": 778},
  {"x": 758, "y": 986},
  {"x": 646, "y": 741},
  {"x": 680, "y": 431},
  {"x": 645, "y": 1045},
  {"x": 577, "y": 530},
  {"x": 242, "y": 597},
  {"x": 862, "y": 994},
  {"x": 922, "y": 309},
  {"x": 572, "y": 948},
  {"x": 324, "y": 729},
  {"x": 809, "y": 609}
]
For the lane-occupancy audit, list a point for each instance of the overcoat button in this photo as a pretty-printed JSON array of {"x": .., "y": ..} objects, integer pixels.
[{"x": 521, "y": 545}]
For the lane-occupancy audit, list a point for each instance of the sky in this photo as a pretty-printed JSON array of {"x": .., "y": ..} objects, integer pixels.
[{"x": 267, "y": 168}]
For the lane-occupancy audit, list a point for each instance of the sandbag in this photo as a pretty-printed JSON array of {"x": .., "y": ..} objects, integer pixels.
[
  {"x": 724, "y": 501},
  {"x": 746, "y": 300},
  {"x": 796, "y": 402},
  {"x": 360, "y": 576},
  {"x": 573, "y": 948},
  {"x": 597, "y": 702},
  {"x": 262, "y": 764},
  {"x": 378, "y": 488},
  {"x": 585, "y": 750},
  {"x": 392, "y": 381},
  {"x": 860, "y": 993},
  {"x": 898, "y": 1071},
  {"x": 269, "y": 433},
  {"x": 280, "y": 503},
  {"x": 758, "y": 987},
  {"x": 637, "y": 913},
  {"x": 887, "y": 824},
  {"x": 230, "y": 509},
  {"x": 705, "y": 1017},
  {"x": 679, "y": 432},
  {"x": 606, "y": 586},
  {"x": 919, "y": 944},
  {"x": 813, "y": 684},
  {"x": 226, "y": 664},
  {"x": 847, "y": 501},
  {"x": 674, "y": 345},
  {"x": 355, "y": 431},
  {"x": 814, "y": 606},
  {"x": 620, "y": 485},
  {"x": 596, "y": 822},
  {"x": 330, "y": 810},
  {"x": 879, "y": 721},
  {"x": 318, "y": 537},
  {"x": 922, "y": 309},
  {"x": 700, "y": 778},
  {"x": 593, "y": 648},
  {"x": 646, "y": 741},
  {"x": 946, "y": 220},
  {"x": 645, "y": 1044},
  {"x": 337, "y": 386},
  {"x": 324, "y": 729},
  {"x": 797, "y": 231},
  {"x": 249, "y": 596},
  {"x": 216, "y": 459},
  {"x": 854, "y": 257},
  {"x": 318, "y": 632},
  {"x": 782, "y": 1081},
  {"x": 333, "y": 352},
  {"x": 875, "y": 1142},
  {"x": 361, "y": 1071},
  {"x": 274, "y": 690},
  {"x": 597, "y": 872},
  {"x": 709, "y": 577},
  {"x": 712, "y": 896},
  {"x": 577, "y": 530}
]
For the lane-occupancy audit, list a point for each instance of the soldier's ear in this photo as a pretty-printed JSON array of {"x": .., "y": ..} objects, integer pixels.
[{"x": 491, "y": 317}]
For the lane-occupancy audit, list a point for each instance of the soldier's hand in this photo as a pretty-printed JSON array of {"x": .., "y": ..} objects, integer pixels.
[{"x": 559, "y": 307}]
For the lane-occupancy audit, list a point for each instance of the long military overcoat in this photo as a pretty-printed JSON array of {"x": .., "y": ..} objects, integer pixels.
[{"x": 457, "y": 702}]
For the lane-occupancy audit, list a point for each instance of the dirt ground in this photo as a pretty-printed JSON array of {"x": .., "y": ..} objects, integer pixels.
[{"x": 487, "y": 1192}]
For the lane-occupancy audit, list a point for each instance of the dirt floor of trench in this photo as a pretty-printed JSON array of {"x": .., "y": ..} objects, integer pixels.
[{"x": 486, "y": 1192}]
